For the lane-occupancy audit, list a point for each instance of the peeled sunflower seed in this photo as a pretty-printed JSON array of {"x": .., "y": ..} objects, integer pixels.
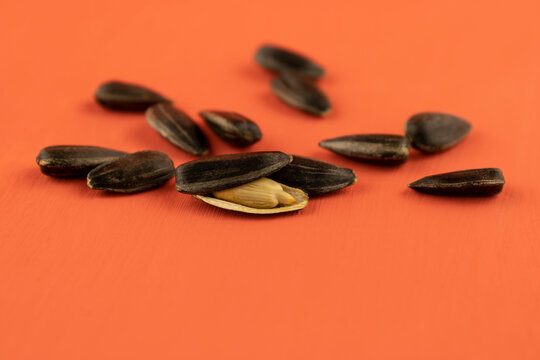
[
  {"x": 262, "y": 196},
  {"x": 74, "y": 160},
  {"x": 233, "y": 128},
  {"x": 139, "y": 171},
  {"x": 315, "y": 177},
  {"x": 177, "y": 127},
  {"x": 282, "y": 60},
  {"x": 118, "y": 95},
  {"x": 476, "y": 182},
  {"x": 301, "y": 94},
  {"x": 434, "y": 132},
  {"x": 222, "y": 172},
  {"x": 374, "y": 148}
]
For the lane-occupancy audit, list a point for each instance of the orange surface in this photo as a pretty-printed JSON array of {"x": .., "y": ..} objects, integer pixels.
[{"x": 375, "y": 271}]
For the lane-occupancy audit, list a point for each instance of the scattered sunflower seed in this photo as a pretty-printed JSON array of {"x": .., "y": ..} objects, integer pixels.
[
  {"x": 476, "y": 182},
  {"x": 177, "y": 127},
  {"x": 139, "y": 171},
  {"x": 282, "y": 60},
  {"x": 233, "y": 128},
  {"x": 435, "y": 132},
  {"x": 74, "y": 160},
  {"x": 222, "y": 172},
  {"x": 374, "y": 148},
  {"x": 118, "y": 95},
  {"x": 313, "y": 176},
  {"x": 301, "y": 94}
]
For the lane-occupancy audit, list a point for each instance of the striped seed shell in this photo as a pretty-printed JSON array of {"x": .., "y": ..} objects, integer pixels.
[
  {"x": 375, "y": 148},
  {"x": 232, "y": 127},
  {"x": 475, "y": 182},
  {"x": 139, "y": 171},
  {"x": 313, "y": 176},
  {"x": 301, "y": 94},
  {"x": 117, "y": 95},
  {"x": 178, "y": 128},
  {"x": 280, "y": 60},
  {"x": 435, "y": 132},
  {"x": 222, "y": 172},
  {"x": 74, "y": 160}
]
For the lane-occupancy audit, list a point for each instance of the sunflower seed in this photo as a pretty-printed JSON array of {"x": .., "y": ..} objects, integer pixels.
[
  {"x": 177, "y": 127},
  {"x": 233, "y": 128},
  {"x": 282, "y": 60},
  {"x": 314, "y": 176},
  {"x": 435, "y": 132},
  {"x": 476, "y": 182},
  {"x": 222, "y": 172},
  {"x": 139, "y": 171},
  {"x": 74, "y": 160},
  {"x": 301, "y": 94},
  {"x": 374, "y": 148},
  {"x": 118, "y": 95}
]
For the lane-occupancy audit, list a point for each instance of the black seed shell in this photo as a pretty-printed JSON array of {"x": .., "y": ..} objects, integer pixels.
[
  {"x": 435, "y": 132},
  {"x": 232, "y": 127},
  {"x": 301, "y": 94},
  {"x": 117, "y": 95},
  {"x": 280, "y": 60}
]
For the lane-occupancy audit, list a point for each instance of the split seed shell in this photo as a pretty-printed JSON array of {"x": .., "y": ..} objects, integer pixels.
[
  {"x": 232, "y": 127},
  {"x": 74, "y": 160},
  {"x": 301, "y": 94},
  {"x": 435, "y": 132},
  {"x": 280, "y": 60},
  {"x": 476, "y": 182},
  {"x": 375, "y": 148},
  {"x": 178, "y": 128},
  {"x": 139, "y": 171},
  {"x": 222, "y": 172},
  {"x": 117, "y": 95},
  {"x": 313, "y": 176}
]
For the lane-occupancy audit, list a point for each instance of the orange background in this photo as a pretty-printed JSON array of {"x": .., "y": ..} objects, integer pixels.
[{"x": 375, "y": 271}]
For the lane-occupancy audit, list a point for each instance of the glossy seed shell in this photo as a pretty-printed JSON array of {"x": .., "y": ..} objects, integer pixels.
[
  {"x": 74, "y": 160},
  {"x": 434, "y": 132},
  {"x": 476, "y": 182},
  {"x": 280, "y": 60},
  {"x": 118, "y": 95},
  {"x": 232, "y": 127},
  {"x": 301, "y": 94},
  {"x": 313, "y": 176},
  {"x": 178, "y": 128},
  {"x": 139, "y": 171},
  {"x": 221, "y": 172},
  {"x": 375, "y": 148}
]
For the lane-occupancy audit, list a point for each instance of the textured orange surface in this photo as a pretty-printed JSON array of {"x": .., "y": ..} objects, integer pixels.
[{"x": 375, "y": 271}]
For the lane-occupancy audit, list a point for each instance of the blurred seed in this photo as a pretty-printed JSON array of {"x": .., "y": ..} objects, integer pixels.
[
  {"x": 177, "y": 127},
  {"x": 139, "y": 171},
  {"x": 282, "y": 60},
  {"x": 476, "y": 182},
  {"x": 375, "y": 148},
  {"x": 222, "y": 172},
  {"x": 233, "y": 128},
  {"x": 74, "y": 160},
  {"x": 118, "y": 95},
  {"x": 313, "y": 176},
  {"x": 301, "y": 94},
  {"x": 434, "y": 132}
]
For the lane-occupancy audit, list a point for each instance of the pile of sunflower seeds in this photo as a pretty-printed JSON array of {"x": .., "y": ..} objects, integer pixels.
[{"x": 265, "y": 182}]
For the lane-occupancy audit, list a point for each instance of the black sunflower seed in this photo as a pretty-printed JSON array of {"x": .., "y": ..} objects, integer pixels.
[
  {"x": 139, "y": 171},
  {"x": 476, "y": 182},
  {"x": 233, "y": 128},
  {"x": 434, "y": 132},
  {"x": 177, "y": 127},
  {"x": 118, "y": 95},
  {"x": 221, "y": 172},
  {"x": 282, "y": 60},
  {"x": 314, "y": 176},
  {"x": 374, "y": 148},
  {"x": 301, "y": 94},
  {"x": 74, "y": 160}
]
